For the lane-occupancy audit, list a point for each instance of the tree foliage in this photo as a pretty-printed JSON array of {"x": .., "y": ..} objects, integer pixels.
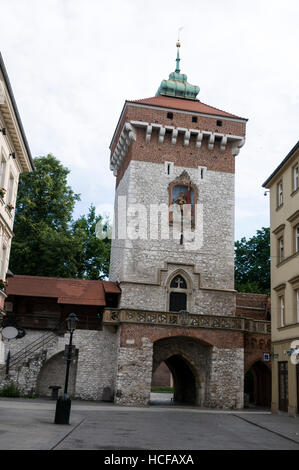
[
  {"x": 47, "y": 241},
  {"x": 252, "y": 263},
  {"x": 94, "y": 255}
]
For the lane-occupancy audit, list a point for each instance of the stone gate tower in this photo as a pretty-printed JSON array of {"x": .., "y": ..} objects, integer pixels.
[
  {"x": 165, "y": 146},
  {"x": 173, "y": 249}
]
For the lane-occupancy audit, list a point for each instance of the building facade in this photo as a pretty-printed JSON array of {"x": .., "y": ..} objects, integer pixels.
[
  {"x": 171, "y": 270},
  {"x": 284, "y": 221},
  {"x": 15, "y": 158}
]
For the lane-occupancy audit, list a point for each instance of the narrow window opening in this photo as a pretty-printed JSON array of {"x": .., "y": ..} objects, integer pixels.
[
  {"x": 280, "y": 194},
  {"x": 297, "y": 238},
  {"x": 170, "y": 115},
  {"x": 178, "y": 294},
  {"x": 201, "y": 173},
  {"x": 194, "y": 118},
  {"x": 295, "y": 178},
  {"x": 281, "y": 250},
  {"x": 282, "y": 311},
  {"x": 219, "y": 123},
  {"x": 168, "y": 168}
]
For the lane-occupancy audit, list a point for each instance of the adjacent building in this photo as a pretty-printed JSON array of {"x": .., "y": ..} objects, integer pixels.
[
  {"x": 284, "y": 221},
  {"x": 15, "y": 158}
]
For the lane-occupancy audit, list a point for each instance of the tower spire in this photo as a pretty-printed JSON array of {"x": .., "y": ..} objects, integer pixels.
[
  {"x": 178, "y": 45},
  {"x": 177, "y": 85}
]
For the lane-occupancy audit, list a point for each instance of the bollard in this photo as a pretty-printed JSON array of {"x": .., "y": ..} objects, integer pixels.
[{"x": 63, "y": 409}]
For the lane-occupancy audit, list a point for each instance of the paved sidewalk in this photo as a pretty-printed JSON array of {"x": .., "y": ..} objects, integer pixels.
[{"x": 29, "y": 424}]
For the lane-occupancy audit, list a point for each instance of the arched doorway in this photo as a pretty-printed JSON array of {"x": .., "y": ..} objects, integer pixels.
[
  {"x": 188, "y": 360},
  {"x": 257, "y": 384},
  {"x": 53, "y": 372},
  {"x": 184, "y": 380}
]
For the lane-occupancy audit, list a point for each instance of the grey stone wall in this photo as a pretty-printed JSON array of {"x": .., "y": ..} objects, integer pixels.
[
  {"x": 96, "y": 362},
  {"x": 134, "y": 374},
  {"x": 226, "y": 379},
  {"x": 53, "y": 372},
  {"x": 92, "y": 371},
  {"x": 141, "y": 264}
]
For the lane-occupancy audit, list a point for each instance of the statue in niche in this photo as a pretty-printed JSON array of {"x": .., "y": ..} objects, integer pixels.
[{"x": 183, "y": 200}]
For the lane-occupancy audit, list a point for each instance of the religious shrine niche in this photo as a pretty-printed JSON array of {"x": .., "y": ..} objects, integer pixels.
[{"x": 182, "y": 201}]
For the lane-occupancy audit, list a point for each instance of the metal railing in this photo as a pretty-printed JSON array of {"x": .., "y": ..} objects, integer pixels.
[{"x": 29, "y": 349}]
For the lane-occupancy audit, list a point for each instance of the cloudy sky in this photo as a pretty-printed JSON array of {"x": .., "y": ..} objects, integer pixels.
[{"x": 73, "y": 63}]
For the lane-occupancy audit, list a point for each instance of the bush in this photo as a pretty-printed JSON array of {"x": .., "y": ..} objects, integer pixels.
[{"x": 10, "y": 390}]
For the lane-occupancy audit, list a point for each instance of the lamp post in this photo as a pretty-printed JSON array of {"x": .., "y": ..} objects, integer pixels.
[{"x": 63, "y": 404}]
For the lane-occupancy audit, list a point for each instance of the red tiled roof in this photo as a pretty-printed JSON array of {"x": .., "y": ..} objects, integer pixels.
[
  {"x": 111, "y": 287},
  {"x": 67, "y": 291},
  {"x": 184, "y": 105}
]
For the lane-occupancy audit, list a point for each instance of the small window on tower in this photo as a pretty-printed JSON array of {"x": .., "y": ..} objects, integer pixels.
[
  {"x": 219, "y": 123},
  {"x": 170, "y": 115},
  {"x": 168, "y": 168},
  {"x": 194, "y": 118}
]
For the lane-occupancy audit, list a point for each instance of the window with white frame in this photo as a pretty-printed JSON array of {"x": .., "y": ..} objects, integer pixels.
[
  {"x": 2, "y": 171},
  {"x": 296, "y": 177},
  {"x": 10, "y": 193},
  {"x": 281, "y": 301},
  {"x": 279, "y": 194},
  {"x": 3, "y": 262},
  {"x": 280, "y": 250},
  {"x": 297, "y": 238}
]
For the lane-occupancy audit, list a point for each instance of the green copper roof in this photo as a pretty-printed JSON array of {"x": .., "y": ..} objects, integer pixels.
[{"x": 177, "y": 85}]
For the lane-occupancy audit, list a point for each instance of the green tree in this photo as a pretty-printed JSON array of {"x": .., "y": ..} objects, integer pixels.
[
  {"x": 94, "y": 256},
  {"x": 252, "y": 263},
  {"x": 47, "y": 241}
]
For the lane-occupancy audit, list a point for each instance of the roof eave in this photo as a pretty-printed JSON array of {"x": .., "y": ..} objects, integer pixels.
[
  {"x": 15, "y": 110},
  {"x": 227, "y": 116},
  {"x": 281, "y": 165}
]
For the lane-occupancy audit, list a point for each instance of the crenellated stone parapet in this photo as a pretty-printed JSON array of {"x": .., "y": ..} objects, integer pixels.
[{"x": 128, "y": 134}]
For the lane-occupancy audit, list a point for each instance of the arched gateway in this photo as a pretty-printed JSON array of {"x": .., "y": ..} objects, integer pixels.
[
  {"x": 188, "y": 361},
  {"x": 205, "y": 355}
]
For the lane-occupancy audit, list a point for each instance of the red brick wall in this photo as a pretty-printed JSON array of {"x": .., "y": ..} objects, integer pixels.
[
  {"x": 190, "y": 157},
  {"x": 256, "y": 306},
  {"x": 255, "y": 347},
  {"x": 162, "y": 376},
  {"x": 219, "y": 338},
  {"x": 180, "y": 119}
]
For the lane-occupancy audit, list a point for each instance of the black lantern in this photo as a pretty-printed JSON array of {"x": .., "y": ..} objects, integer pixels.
[
  {"x": 63, "y": 404},
  {"x": 71, "y": 322}
]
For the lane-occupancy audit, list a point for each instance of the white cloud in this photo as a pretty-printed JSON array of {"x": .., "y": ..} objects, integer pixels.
[{"x": 72, "y": 64}]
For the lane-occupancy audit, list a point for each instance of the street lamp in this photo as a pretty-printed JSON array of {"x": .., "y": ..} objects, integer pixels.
[{"x": 63, "y": 404}]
